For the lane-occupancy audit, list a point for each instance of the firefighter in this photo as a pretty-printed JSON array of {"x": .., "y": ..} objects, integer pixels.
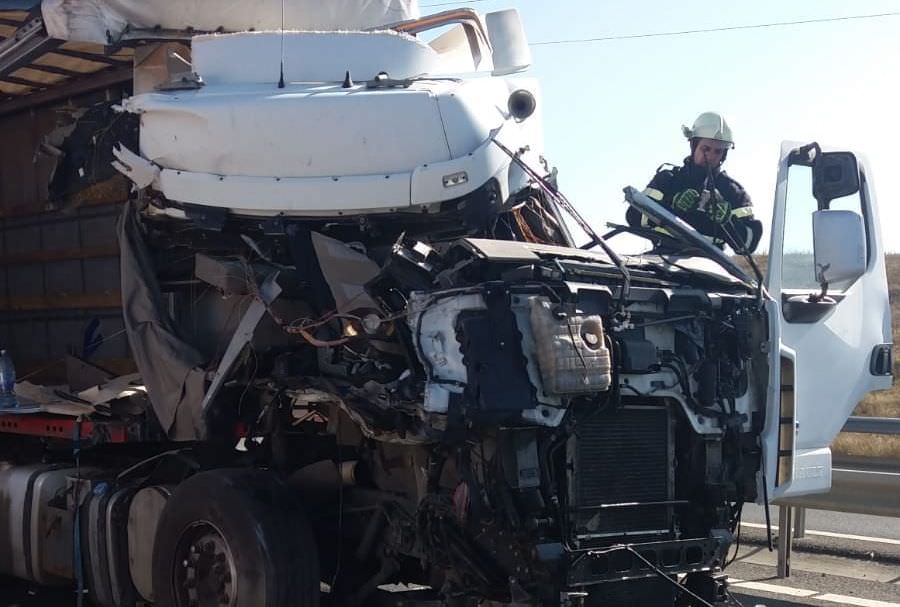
[{"x": 701, "y": 193}]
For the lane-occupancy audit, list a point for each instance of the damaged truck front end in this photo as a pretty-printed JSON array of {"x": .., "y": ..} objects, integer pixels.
[
  {"x": 351, "y": 292},
  {"x": 517, "y": 420},
  {"x": 511, "y": 418},
  {"x": 506, "y": 422},
  {"x": 577, "y": 448}
]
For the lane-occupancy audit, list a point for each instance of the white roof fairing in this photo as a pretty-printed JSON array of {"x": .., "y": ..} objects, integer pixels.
[
  {"x": 255, "y": 57},
  {"x": 98, "y": 20}
]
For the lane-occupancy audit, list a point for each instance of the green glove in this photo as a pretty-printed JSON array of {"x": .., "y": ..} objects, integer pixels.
[
  {"x": 720, "y": 211},
  {"x": 686, "y": 200}
]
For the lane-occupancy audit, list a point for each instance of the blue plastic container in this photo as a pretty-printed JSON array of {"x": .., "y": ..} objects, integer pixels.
[
  {"x": 7, "y": 381},
  {"x": 7, "y": 373}
]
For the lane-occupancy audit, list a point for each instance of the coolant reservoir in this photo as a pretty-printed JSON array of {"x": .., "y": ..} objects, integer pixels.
[{"x": 571, "y": 351}]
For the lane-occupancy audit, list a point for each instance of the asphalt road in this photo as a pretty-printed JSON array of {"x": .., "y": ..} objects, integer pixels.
[
  {"x": 866, "y": 538},
  {"x": 843, "y": 560},
  {"x": 829, "y": 570},
  {"x": 814, "y": 576}
]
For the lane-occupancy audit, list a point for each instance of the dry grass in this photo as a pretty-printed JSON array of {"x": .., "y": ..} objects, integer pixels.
[
  {"x": 878, "y": 404},
  {"x": 882, "y": 404},
  {"x": 867, "y": 445}
]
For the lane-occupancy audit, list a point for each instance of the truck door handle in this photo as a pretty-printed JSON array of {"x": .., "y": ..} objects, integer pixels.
[{"x": 882, "y": 361}]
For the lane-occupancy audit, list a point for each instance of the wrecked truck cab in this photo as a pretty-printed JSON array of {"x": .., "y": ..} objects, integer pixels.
[{"x": 371, "y": 354}]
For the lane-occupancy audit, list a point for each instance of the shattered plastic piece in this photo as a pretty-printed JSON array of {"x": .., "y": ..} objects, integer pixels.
[
  {"x": 230, "y": 276},
  {"x": 120, "y": 387},
  {"x": 142, "y": 172},
  {"x": 346, "y": 271}
]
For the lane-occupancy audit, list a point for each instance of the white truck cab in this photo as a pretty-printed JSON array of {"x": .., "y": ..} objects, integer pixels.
[{"x": 369, "y": 350}]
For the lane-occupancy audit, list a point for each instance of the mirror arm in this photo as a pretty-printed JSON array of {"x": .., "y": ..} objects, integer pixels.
[
  {"x": 820, "y": 296},
  {"x": 805, "y": 155},
  {"x": 820, "y": 276}
]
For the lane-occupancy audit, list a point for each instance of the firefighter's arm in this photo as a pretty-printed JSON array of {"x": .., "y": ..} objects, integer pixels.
[
  {"x": 744, "y": 229},
  {"x": 741, "y": 225},
  {"x": 658, "y": 190}
]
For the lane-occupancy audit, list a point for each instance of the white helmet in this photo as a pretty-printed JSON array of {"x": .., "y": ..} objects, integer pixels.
[{"x": 709, "y": 125}]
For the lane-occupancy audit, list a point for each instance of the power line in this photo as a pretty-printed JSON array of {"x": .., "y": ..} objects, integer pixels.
[{"x": 712, "y": 29}]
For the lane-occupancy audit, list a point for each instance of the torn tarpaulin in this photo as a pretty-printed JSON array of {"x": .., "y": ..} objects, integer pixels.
[
  {"x": 171, "y": 368},
  {"x": 100, "y": 21}
]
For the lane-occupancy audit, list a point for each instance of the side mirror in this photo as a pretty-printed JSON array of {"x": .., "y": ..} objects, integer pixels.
[
  {"x": 835, "y": 174},
  {"x": 511, "y": 52},
  {"x": 839, "y": 246}
]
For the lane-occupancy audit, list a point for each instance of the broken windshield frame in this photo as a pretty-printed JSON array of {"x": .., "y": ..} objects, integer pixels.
[{"x": 682, "y": 231}]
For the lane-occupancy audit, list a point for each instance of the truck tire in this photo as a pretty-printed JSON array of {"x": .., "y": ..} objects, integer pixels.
[{"x": 234, "y": 538}]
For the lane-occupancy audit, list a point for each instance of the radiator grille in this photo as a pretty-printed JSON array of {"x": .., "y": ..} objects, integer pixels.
[{"x": 622, "y": 458}]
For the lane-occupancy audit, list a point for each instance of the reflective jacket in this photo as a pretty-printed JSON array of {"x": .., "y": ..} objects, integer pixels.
[{"x": 716, "y": 207}]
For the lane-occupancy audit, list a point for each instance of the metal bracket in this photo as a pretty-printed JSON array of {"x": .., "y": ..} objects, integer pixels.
[
  {"x": 28, "y": 42},
  {"x": 267, "y": 293},
  {"x": 22, "y": 36}
]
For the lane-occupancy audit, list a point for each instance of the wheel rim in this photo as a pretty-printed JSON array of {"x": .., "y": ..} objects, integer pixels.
[{"x": 205, "y": 573}]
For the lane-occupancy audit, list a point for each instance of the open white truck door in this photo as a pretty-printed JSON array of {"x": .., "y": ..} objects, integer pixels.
[{"x": 830, "y": 318}]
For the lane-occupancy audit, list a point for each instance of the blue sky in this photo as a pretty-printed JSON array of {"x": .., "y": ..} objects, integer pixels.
[{"x": 613, "y": 110}]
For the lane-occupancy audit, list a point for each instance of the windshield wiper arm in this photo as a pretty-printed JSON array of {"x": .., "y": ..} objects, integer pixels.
[
  {"x": 743, "y": 252},
  {"x": 681, "y": 230},
  {"x": 563, "y": 202}
]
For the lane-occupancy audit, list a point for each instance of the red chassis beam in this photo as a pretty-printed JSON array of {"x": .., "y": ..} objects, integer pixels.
[{"x": 48, "y": 426}]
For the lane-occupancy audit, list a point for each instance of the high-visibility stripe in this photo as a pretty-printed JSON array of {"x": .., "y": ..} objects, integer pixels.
[
  {"x": 741, "y": 212},
  {"x": 646, "y": 223},
  {"x": 654, "y": 194}
]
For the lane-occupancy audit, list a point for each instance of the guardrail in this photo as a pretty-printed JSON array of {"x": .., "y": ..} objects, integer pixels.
[
  {"x": 873, "y": 425},
  {"x": 858, "y": 491},
  {"x": 859, "y": 486}
]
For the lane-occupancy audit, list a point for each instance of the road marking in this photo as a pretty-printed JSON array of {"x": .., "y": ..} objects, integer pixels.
[
  {"x": 842, "y": 536},
  {"x": 853, "y": 600},
  {"x": 798, "y": 592},
  {"x": 814, "y": 594},
  {"x": 824, "y": 564}
]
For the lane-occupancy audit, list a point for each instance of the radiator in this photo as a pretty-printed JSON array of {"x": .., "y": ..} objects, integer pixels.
[{"x": 621, "y": 480}]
